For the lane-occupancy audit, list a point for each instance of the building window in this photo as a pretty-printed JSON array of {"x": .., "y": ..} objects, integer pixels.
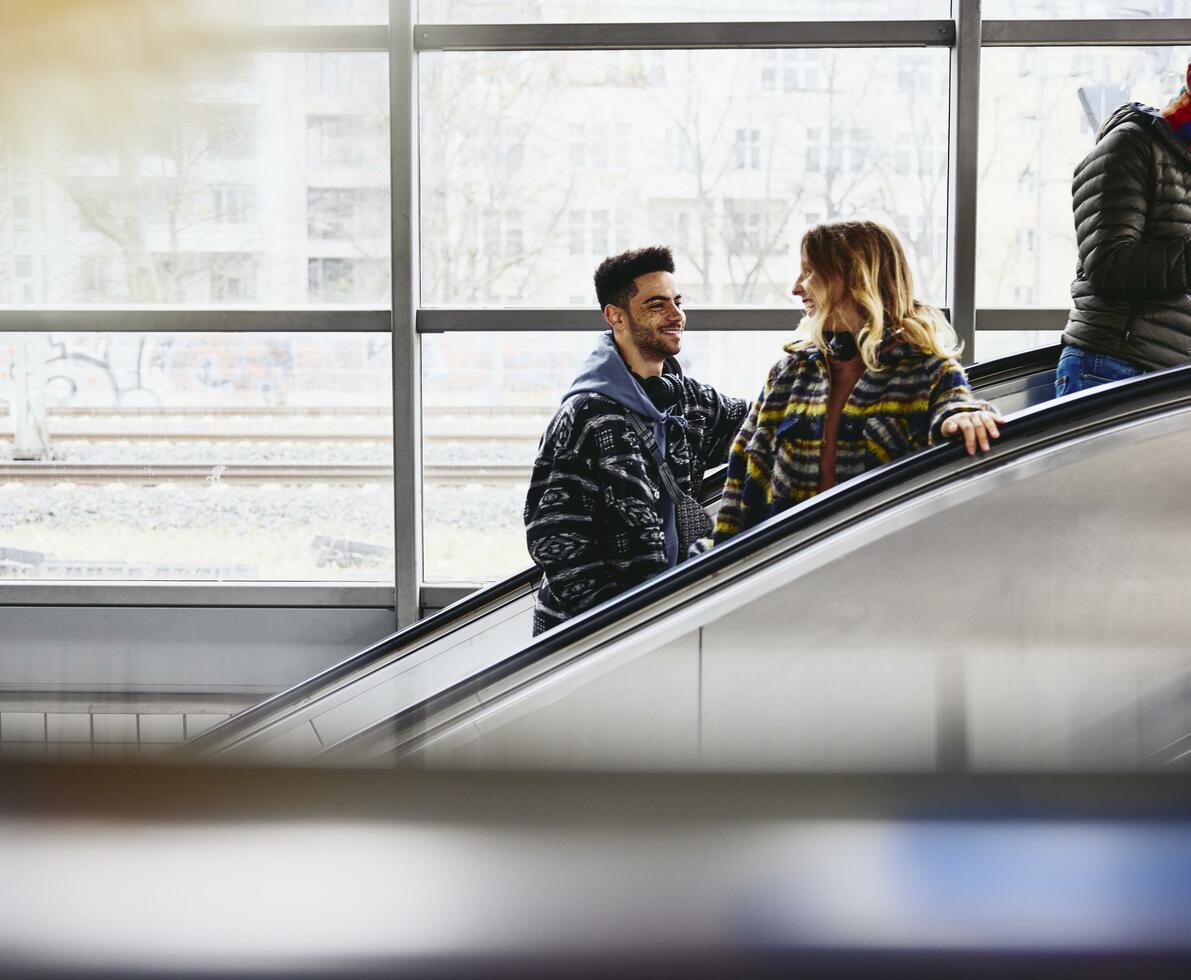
[
  {"x": 674, "y": 227},
  {"x": 94, "y": 277},
  {"x": 330, "y": 212},
  {"x": 500, "y": 233},
  {"x": 746, "y": 227},
  {"x": 847, "y": 150},
  {"x": 789, "y": 70},
  {"x": 329, "y": 73},
  {"x": 329, "y": 280},
  {"x": 233, "y": 279},
  {"x": 596, "y": 233},
  {"x": 680, "y": 156},
  {"x": 338, "y": 141},
  {"x": 599, "y": 146},
  {"x": 747, "y": 155},
  {"x": 232, "y": 204},
  {"x": 814, "y": 151},
  {"x": 232, "y": 136}
]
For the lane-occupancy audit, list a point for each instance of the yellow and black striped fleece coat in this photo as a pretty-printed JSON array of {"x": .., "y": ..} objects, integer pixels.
[{"x": 774, "y": 462}]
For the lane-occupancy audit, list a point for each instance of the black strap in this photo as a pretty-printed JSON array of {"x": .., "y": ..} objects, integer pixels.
[{"x": 668, "y": 480}]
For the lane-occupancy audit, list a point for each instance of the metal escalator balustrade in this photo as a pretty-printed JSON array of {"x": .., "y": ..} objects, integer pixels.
[
  {"x": 1017, "y": 610},
  {"x": 495, "y": 617},
  {"x": 488, "y": 625}
]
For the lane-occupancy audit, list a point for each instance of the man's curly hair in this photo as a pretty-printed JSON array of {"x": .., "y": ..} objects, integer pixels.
[{"x": 614, "y": 283}]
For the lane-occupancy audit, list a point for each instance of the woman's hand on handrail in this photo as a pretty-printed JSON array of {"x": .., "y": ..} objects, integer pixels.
[{"x": 977, "y": 429}]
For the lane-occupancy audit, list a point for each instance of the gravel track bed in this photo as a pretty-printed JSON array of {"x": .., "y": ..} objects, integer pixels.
[
  {"x": 180, "y": 505},
  {"x": 184, "y": 506},
  {"x": 227, "y": 453}
]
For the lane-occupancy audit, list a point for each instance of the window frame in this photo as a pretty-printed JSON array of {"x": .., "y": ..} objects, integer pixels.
[{"x": 965, "y": 35}]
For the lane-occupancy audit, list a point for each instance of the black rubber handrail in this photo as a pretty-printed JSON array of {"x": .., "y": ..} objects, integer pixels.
[
  {"x": 1013, "y": 366},
  {"x": 997, "y": 370},
  {"x": 1058, "y": 416}
]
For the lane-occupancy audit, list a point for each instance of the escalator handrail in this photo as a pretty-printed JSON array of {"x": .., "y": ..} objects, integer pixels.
[
  {"x": 414, "y": 633},
  {"x": 1060, "y": 414},
  {"x": 462, "y": 610},
  {"x": 1038, "y": 360}
]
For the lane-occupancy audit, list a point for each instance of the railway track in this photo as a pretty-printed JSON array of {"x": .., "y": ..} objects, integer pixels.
[
  {"x": 440, "y": 424},
  {"x": 471, "y": 435},
  {"x": 440, "y": 474}
]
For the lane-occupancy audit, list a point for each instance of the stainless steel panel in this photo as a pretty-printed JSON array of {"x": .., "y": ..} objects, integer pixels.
[
  {"x": 297, "y": 741},
  {"x": 170, "y": 650},
  {"x": 890, "y": 644},
  {"x": 643, "y": 713},
  {"x": 395, "y": 683},
  {"x": 1074, "y": 607},
  {"x": 425, "y": 673}
]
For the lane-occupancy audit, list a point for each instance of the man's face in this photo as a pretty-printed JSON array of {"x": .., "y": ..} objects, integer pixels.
[{"x": 655, "y": 319}]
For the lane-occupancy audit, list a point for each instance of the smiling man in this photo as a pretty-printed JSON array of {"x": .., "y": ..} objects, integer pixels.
[{"x": 599, "y": 518}]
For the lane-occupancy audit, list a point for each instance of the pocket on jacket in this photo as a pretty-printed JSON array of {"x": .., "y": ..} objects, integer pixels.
[
  {"x": 796, "y": 427},
  {"x": 886, "y": 439},
  {"x": 761, "y": 445}
]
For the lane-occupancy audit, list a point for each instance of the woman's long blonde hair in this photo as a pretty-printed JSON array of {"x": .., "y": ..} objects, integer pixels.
[{"x": 870, "y": 262}]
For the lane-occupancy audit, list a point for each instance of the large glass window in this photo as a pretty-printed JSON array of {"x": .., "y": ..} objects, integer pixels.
[
  {"x": 210, "y": 192},
  {"x": 229, "y": 457},
  {"x": 589, "y": 153},
  {"x": 321, "y": 11},
  {"x": 1084, "y": 9},
  {"x": 1040, "y": 111}
]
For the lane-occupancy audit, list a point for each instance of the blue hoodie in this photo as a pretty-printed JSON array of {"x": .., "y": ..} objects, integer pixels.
[{"x": 605, "y": 373}]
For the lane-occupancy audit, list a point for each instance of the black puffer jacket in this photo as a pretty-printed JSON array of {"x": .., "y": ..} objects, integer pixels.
[{"x": 1131, "y": 297}]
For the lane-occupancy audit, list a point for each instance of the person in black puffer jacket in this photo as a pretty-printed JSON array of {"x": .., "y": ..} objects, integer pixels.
[{"x": 1131, "y": 298}]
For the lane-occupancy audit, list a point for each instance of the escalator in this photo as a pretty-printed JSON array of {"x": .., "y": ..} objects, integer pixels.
[
  {"x": 1019, "y": 611},
  {"x": 483, "y": 630}
]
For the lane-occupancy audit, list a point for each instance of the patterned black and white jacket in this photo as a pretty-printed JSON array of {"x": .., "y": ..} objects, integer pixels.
[{"x": 597, "y": 521}]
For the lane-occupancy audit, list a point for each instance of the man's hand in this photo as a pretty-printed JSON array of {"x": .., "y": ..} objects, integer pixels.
[{"x": 977, "y": 428}]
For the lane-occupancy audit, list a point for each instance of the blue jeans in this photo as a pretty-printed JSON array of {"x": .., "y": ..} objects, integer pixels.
[{"x": 1079, "y": 369}]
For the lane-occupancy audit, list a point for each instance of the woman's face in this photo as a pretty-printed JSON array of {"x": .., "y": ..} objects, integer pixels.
[{"x": 813, "y": 289}]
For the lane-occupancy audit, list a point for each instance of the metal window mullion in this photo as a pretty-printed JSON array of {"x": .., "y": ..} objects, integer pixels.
[
  {"x": 403, "y": 162},
  {"x": 1044, "y": 33},
  {"x": 213, "y": 595},
  {"x": 441, "y": 596},
  {"x": 580, "y": 320},
  {"x": 577, "y": 319},
  {"x": 175, "y": 320},
  {"x": 314, "y": 38},
  {"x": 1021, "y": 319},
  {"x": 656, "y": 35},
  {"x": 963, "y": 148}
]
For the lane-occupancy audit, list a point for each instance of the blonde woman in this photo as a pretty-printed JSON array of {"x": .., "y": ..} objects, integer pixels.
[{"x": 874, "y": 378}]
